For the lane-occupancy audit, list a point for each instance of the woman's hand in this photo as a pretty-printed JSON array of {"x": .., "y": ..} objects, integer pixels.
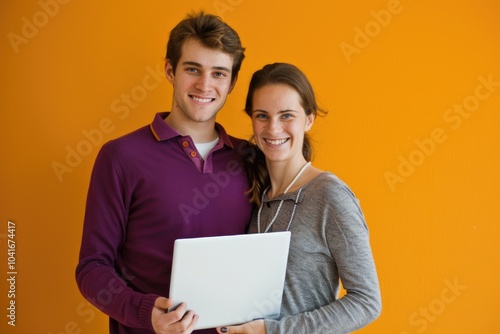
[
  {"x": 252, "y": 327},
  {"x": 179, "y": 320}
]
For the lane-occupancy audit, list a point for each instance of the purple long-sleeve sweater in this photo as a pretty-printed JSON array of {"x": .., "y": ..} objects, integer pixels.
[{"x": 147, "y": 189}]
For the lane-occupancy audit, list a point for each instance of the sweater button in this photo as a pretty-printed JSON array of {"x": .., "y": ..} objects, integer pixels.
[
  {"x": 193, "y": 154},
  {"x": 185, "y": 143}
]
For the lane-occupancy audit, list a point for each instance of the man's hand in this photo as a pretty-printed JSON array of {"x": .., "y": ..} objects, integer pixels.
[
  {"x": 179, "y": 320},
  {"x": 252, "y": 327}
]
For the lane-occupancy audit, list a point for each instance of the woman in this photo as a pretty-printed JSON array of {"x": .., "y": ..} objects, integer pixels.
[{"x": 330, "y": 240}]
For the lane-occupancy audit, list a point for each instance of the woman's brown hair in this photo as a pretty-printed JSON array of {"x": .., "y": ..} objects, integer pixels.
[{"x": 276, "y": 74}]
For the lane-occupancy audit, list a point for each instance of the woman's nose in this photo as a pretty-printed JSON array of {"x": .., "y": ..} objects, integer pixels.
[{"x": 274, "y": 125}]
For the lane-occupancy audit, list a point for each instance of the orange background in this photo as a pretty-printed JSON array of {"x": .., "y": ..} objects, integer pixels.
[{"x": 393, "y": 74}]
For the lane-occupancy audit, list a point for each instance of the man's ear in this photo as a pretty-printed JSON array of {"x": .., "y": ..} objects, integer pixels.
[
  {"x": 233, "y": 84},
  {"x": 169, "y": 71}
]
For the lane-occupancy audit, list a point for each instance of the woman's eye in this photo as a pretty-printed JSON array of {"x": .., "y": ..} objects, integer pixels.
[{"x": 260, "y": 116}]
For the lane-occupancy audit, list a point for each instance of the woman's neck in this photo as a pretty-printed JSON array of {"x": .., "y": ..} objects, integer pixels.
[{"x": 285, "y": 176}]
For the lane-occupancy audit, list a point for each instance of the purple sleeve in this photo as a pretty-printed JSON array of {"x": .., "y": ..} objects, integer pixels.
[{"x": 99, "y": 278}]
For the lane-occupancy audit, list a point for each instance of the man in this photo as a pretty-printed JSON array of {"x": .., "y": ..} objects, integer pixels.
[{"x": 182, "y": 176}]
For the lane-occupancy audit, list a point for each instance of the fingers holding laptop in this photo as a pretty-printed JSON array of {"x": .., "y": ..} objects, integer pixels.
[
  {"x": 252, "y": 327},
  {"x": 179, "y": 320}
]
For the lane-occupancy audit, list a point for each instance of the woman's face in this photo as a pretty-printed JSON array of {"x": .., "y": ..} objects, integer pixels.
[{"x": 279, "y": 122}]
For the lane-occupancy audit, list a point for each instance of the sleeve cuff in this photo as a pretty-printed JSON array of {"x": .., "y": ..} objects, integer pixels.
[{"x": 146, "y": 305}]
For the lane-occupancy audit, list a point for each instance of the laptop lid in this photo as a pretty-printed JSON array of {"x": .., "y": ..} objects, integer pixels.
[{"x": 229, "y": 280}]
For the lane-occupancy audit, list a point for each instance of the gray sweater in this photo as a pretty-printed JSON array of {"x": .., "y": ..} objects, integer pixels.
[{"x": 330, "y": 242}]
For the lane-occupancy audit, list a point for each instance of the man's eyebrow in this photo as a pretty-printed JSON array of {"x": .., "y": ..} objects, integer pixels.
[
  {"x": 191, "y": 63},
  {"x": 222, "y": 68},
  {"x": 279, "y": 112},
  {"x": 195, "y": 64}
]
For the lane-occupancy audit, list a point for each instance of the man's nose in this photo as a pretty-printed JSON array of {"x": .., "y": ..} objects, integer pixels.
[{"x": 204, "y": 83}]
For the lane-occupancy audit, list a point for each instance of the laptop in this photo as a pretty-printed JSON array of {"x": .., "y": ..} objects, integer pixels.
[{"x": 229, "y": 280}]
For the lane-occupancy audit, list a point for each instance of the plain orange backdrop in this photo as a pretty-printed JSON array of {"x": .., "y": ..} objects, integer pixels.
[{"x": 413, "y": 93}]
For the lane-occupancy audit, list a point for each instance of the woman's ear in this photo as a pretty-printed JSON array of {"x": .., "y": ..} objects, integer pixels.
[{"x": 309, "y": 122}]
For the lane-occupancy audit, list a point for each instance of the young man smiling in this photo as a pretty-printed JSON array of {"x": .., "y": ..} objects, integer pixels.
[
  {"x": 182, "y": 176},
  {"x": 202, "y": 81}
]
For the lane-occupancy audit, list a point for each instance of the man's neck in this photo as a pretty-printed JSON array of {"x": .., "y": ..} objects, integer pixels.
[{"x": 200, "y": 132}]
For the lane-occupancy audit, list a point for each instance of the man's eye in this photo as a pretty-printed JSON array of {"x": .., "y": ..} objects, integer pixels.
[
  {"x": 260, "y": 116},
  {"x": 219, "y": 74}
]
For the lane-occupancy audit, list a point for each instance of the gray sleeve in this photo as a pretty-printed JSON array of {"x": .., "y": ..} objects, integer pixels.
[{"x": 346, "y": 236}]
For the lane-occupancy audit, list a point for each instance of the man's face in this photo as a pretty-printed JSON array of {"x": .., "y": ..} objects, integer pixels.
[{"x": 201, "y": 82}]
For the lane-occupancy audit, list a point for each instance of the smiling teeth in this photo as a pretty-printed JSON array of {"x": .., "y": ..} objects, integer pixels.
[
  {"x": 197, "y": 99},
  {"x": 276, "y": 142}
]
